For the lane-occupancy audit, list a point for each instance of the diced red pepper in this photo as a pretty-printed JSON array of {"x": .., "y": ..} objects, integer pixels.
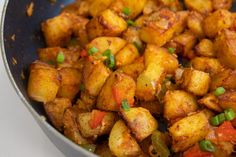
[
  {"x": 195, "y": 151},
  {"x": 83, "y": 53},
  {"x": 96, "y": 118},
  {"x": 226, "y": 132}
]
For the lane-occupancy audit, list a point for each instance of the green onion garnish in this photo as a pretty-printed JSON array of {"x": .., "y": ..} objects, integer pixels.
[
  {"x": 219, "y": 91},
  {"x": 125, "y": 105},
  {"x": 214, "y": 121},
  {"x": 92, "y": 50},
  {"x": 126, "y": 11},
  {"x": 110, "y": 61},
  {"x": 130, "y": 23},
  {"x": 229, "y": 114},
  {"x": 171, "y": 50},
  {"x": 221, "y": 117},
  {"x": 60, "y": 57},
  {"x": 206, "y": 145},
  {"x": 81, "y": 87}
]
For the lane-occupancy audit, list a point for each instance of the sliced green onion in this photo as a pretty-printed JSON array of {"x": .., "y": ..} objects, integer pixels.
[
  {"x": 110, "y": 61},
  {"x": 107, "y": 52},
  {"x": 60, "y": 57},
  {"x": 219, "y": 91},
  {"x": 89, "y": 147},
  {"x": 81, "y": 87},
  {"x": 221, "y": 117},
  {"x": 159, "y": 144},
  {"x": 92, "y": 50},
  {"x": 171, "y": 50},
  {"x": 207, "y": 146},
  {"x": 130, "y": 23},
  {"x": 229, "y": 114},
  {"x": 214, "y": 121},
  {"x": 126, "y": 11},
  {"x": 125, "y": 105}
]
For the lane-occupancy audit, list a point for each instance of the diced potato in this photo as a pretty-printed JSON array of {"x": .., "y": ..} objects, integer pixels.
[
  {"x": 127, "y": 55},
  {"x": 222, "y": 4},
  {"x": 227, "y": 100},
  {"x": 151, "y": 6},
  {"x": 184, "y": 136},
  {"x": 104, "y": 127},
  {"x": 216, "y": 22},
  {"x": 68, "y": 91},
  {"x": 208, "y": 65},
  {"x": 196, "y": 82},
  {"x": 55, "y": 111},
  {"x": 135, "y": 7},
  {"x": 97, "y": 6},
  {"x": 94, "y": 77},
  {"x": 159, "y": 27},
  {"x": 225, "y": 48},
  {"x": 43, "y": 82},
  {"x": 86, "y": 101},
  {"x": 57, "y": 31},
  {"x": 226, "y": 78},
  {"x": 182, "y": 21},
  {"x": 108, "y": 23},
  {"x": 103, "y": 150},
  {"x": 211, "y": 102},
  {"x": 79, "y": 7},
  {"x": 140, "y": 121},
  {"x": 118, "y": 87},
  {"x": 195, "y": 24},
  {"x": 178, "y": 104},
  {"x": 201, "y": 6},
  {"x": 174, "y": 5},
  {"x": 121, "y": 143},
  {"x": 224, "y": 149},
  {"x": 205, "y": 48}
]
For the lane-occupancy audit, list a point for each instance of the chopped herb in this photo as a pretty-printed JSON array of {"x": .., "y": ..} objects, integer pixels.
[
  {"x": 207, "y": 146},
  {"x": 92, "y": 50},
  {"x": 171, "y": 50},
  {"x": 110, "y": 61},
  {"x": 126, "y": 11},
  {"x": 138, "y": 45},
  {"x": 214, "y": 121},
  {"x": 130, "y": 23},
  {"x": 125, "y": 105},
  {"x": 219, "y": 91},
  {"x": 229, "y": 114},
  {"x": 60, "y": 57}
]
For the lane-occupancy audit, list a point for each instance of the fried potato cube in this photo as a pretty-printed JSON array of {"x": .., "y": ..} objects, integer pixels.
[
  {"x": 94, "y": 77},
  {"x": 222, "y": 4},
  {"x": 195, "y": 24},
  {"x": 84, "y": 120},
  {"x": 43, "y": 82},
  {"x": 208, "y": 65},
  {"x": 225, "y": 48},
  {"x": 174, "y": 5},
  {"x": 117, "y": 88},
  {"x": 196, "y": 82},
  {"x": 86, "y": 101},
  {"x": 184, "y": 136},
  {"x": 127, "y": 55},
  {"x": 227, "y": 100},
  {"x": 201, "y": 6},
  {"x": 55, "y": 111},
  {"x": 80, "y": 8},
  {"x": 98, "y": 6},
  {"x": 216, "y": 22},
  {"x": 121, "y": 143},
  {"x": 211, "y": 102},
  {"x": 182, "y": 21},
  {"x": 178, "y": 104},
  {"x": 140, "y": 121},
  {"x": 58, "y": 30},
  {"x": 108, "y": 23},
  {"x": 159, "y": 27},
  {"x": 205, "y": 48}
]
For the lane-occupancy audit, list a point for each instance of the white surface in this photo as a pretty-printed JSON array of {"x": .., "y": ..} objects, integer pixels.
[{"x": 20, "y": 136}]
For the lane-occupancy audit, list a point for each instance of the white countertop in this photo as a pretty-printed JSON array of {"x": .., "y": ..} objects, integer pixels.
[{"x": 20, "y": 136}]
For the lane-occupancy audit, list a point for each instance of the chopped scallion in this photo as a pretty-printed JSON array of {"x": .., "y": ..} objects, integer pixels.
[
  {"x": 206, "y": 145},
  {"x": 60, "y": 57},
  {"x": 125, "y": 105},
  {"x": 110, "y": 61},
  {"x": 214, "y": 121},
  {"x": 130, "y": 23},
  {"x": 229, "y": 114},
  {"x": 171, "y": 50},
  {"x": 219, "y": 91},
  {"x": 92, "y": 50},
  {"x": 126, "y": 11}
]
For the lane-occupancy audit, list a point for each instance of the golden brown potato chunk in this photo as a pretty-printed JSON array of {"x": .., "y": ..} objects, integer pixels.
[
  {"x": 108, "y": 23},
  {"x": 196, "y": 82},
  {"x": 127, "y": 55},
  {"x": 91, "y": 127},
  {"x": 184, "y": 136},
  {"x": 211, "y": 102},
  {"x": 140, "y": 121},
  {"x": 86, "y": 101},
  {"x": 159, "y": 27},
  {"x": 225, "y": 48},
  {"x": 227, "y": 100},
  {"x": 182, "y": 21},
  {"x": 121, "y": 143},
  {"x": 201, "y": 6},
  {"x": 222, "y": 4},
  {"x": 178, "y": 104},
  {"x": 117, "y": 88},
  {"x": 57, "y": 31},
  {"x": 216, "y": 22},
  {"x": 43, "y": 82},
  {"x": 205, "y": 48},
  {"x": 55, "y": 111},
  {"x": 97, "y": 6},
  {"x": 79, "y": 7},
  {"x": 94, "y": 77},
  {"x": 208, "y": 65},
  {"x": 195, "y": 24}
]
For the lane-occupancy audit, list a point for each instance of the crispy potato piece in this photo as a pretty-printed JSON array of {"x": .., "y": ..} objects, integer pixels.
[
  {"x": 121, "y": 143},
  {"x": 205, "y": 48},
  {"x": 118, "y": 87},
  {"x": 201, "y": 6},
  {"x": 211, "y": 102},
  {"x": 108, "y": 23},
  {"x": 174, "y": 5},
  {"x": 208, "y": 65},
  {"x": 103, "y": 150},
  {"x": 196, "y": 82},
  {"x": 140, "y": 121},
  {"x": 135, "y": 7},
  {"x": 151, "y": 6},
  {"x": 55, "y": 111},
  {"x": 43, "y": 82},
  {"x": 178, "y": 104},
  {"x": 105, "y": 127},
  {"x": 127, "y": 55},
  {"x": 225, "y": 48},
  {"x": 226, "y": 78},
  {"x": 159, "y": 27},
  {"x": 184, "y": 136},
  {"x": 228, "y": 100},
  {"x": 79, "y": 7},
  {"x": 195, "y": 24},
  {"x": 57, "y": 31},
  {"x": 182, "y": 21},
  {"x": 216, "y": 22},
  {"x": 98, "y": 6},
  {"x": 94, "y": 77},
  {"x": 222, "y": 4},
  {"x": 86, "y": 101}
]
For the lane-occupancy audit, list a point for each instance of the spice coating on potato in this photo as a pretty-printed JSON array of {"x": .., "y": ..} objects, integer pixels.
[
  {"x": 201, "y": 6},
  {"x": 227, "y": 100},
  {"x": 205, "y": 48},
  {"x": 195, "y": 24}
]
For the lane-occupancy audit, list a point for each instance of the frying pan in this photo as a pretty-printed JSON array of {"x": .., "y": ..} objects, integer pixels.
[{"x": 20, "y": 38}]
